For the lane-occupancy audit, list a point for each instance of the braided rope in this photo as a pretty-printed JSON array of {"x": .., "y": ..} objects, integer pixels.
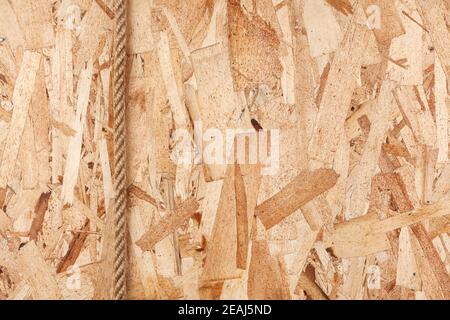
[{"x": 120, "y": 254}]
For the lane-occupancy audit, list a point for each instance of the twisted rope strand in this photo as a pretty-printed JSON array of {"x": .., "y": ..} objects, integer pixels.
[{"x": 120, "y": 254}]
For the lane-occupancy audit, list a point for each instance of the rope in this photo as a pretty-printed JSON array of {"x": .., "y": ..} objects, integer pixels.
[{"x": 120, "y": 247}]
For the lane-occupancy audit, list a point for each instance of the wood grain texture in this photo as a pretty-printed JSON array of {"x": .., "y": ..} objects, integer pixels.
[
  {"x": 304, "y": 188},
  {"x": 168, "y": 224},
  {"x": 294, "y": 150}
]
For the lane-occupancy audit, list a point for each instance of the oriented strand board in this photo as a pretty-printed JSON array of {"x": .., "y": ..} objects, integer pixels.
[
  {"x": 56, "y": 151},
  {"x": 292, "y": 150}
]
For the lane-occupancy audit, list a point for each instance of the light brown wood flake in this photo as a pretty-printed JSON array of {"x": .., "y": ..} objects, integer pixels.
[
  {"x": 21, "y": 101},
  {"x": 434, "y": 20},
  {"x": 337, "y": 95},
  {"x": 304, "y": 188},
  {"x": 178, "y": 110},
  {"x": 39, "y": 211},
  {"x": 265, "y": 280},
  {"x": 221, "y": 259},
  {"x": 323, "y": 38},
  {"x": 38, "y": 273},
  {"x": 168, "y": 224},
  {"x": 366, "y": 234},
  {"x": 74, "y": 149},
  {"x": 242, "y": 223},
  {"x": 9, "y": 27},
  {"x": 94, "y": 28},
  {"x": 390, "y": 25},
  {"x": 432, "y": 255},
  {"x": 308, "y": 284},
  {"x": 140, "y": 26},
  {"x": 35, "y": 20},
  {"x": 407, "y": 273},
  {"x": 254, "y": 49},
  {"x": 358, "y": 185}
]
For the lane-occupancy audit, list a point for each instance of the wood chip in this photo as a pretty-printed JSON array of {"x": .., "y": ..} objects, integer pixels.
[
  {"x": 304, "y": 188},
  {"x": 21, "y": 102},
  {"x": 36, "y": 22},
  {"x": 38, "y": 273},
  {"x": 265, "y": 276},
  {"x": 39, "y": 212},
  {"x": 168, "y": 224}
]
